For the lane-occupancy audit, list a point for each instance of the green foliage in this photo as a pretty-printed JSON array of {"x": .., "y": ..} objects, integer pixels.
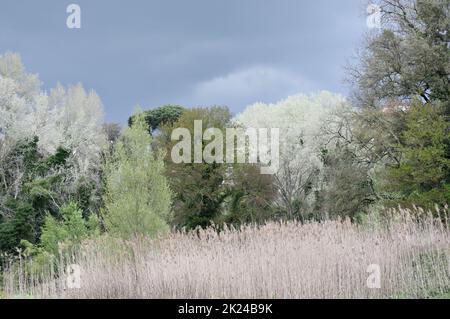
[
  {"x": 423, "y": 175},
  {"x": 59, "y": 237},
  {"x": 34, "y": 185},
  {"x": 250, "y": 196},
  {"x": 17, "y": 227},
  {"x": 137, "y": 196},
  {"x": 157, "y": 117},
  {"x": 410, "y": 57},
  {"x": 214, "y": 193},
  {"x": 70, "y": 230},
  {"x": 401, "y": 83},
  {"x": 198, "y": 188},
  {"x": 29, "y": 183},
  {"x": 347, "y": 189}
]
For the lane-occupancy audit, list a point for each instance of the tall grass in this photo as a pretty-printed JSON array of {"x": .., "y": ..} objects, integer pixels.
[{"x": 278, "y": 260}]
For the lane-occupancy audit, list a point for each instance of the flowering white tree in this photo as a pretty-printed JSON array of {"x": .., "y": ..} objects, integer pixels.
[
  {"x": 300, "y": 119},
  {"x": 68, "y": 118},
  {"x": 11, "y": 106},
  {"x": 11, "y": 67},
  {"x": 78, "y": 124}
]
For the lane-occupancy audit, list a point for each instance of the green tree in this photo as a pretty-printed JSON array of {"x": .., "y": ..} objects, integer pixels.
[
  {"x": 34, "y": 185},
  {"x": 137, "y": 196},
  {"x": 70, "y": 230},
  {"x": 409, "y": 57},
  {"x": 198, "y": 187},
  {"x": 250, "y": 195},
  {"x": 423, "y": 175},
  {"x": 155, "y": 118},
  {"x": 403, "y": 73},
  {"x": 347, "y": 187},
  {"x": 60, "y": 236},
  {"x": 214, "y": 192}
]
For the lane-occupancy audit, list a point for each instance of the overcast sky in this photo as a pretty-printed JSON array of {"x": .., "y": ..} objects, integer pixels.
[{"x": 188, "y": 52}]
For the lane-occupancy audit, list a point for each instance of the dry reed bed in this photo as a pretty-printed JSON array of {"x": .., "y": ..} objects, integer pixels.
[{"x": 289, "y": 260}]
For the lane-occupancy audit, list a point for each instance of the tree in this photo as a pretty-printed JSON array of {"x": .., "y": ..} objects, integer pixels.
[
  {"x": 213, "y": 192},
  {"x": 423, "y": 175},
  {"x": 71, "y": 230},
  {"x": 406, "y": 63},
  {"x": 346, "y": 188},
  {"x": 198, "y": 187},
  {"x": 409, "y": 57},
  {"x": 300, "y": 119},
  {"x": 79, "y": 123},
  {"x": 9, "y": 103},
  {"x": 112, "y": 132},
  {"x": 50, "y": 152},
  {"x": 155, "y": 118},
  {"x": 11, "y": 67},
  {"x": 60, "y": 237},
  {"x": 137, "y": 195},
  {"x": 70, "y": 118},
  {"x": 360, "y": 144},
  {"x": 33, "y": 186},
  {"x": 250, "y": 196}
]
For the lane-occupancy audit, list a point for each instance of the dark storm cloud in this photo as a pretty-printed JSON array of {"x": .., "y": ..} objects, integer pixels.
[{"x": 191, "y": 52}]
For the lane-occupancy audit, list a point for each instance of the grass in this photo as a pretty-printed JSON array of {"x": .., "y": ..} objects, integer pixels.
[
  {"x": 278, "y": 260},
  {"x": 442, "y": 296}
]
